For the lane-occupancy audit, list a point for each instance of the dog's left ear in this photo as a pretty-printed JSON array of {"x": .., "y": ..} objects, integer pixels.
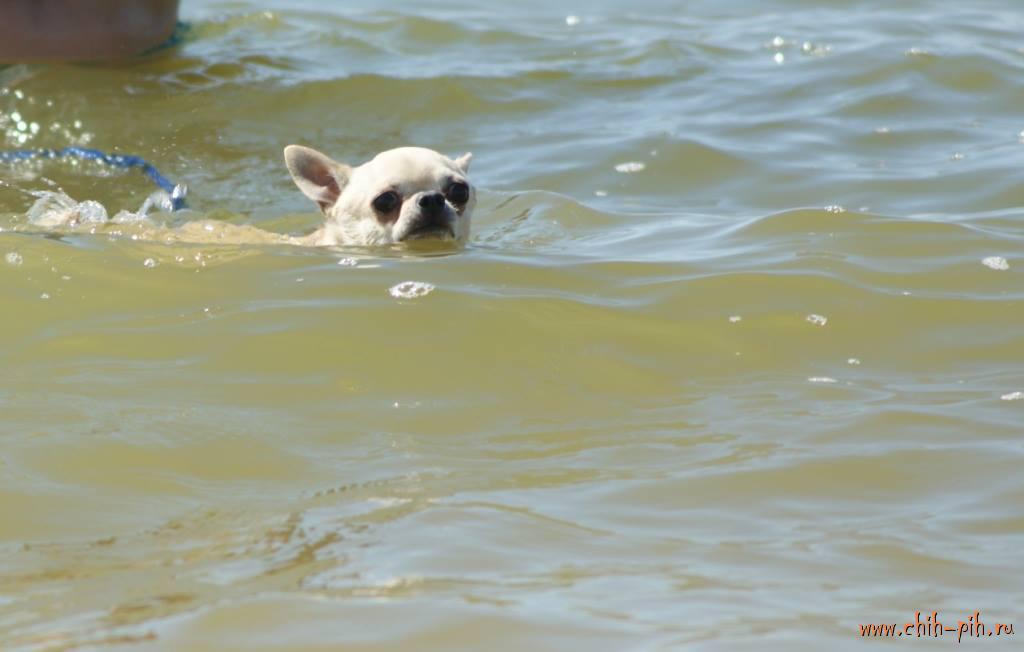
[
  {"x": 463, "y": 162},
  {"x": 317, "y": 175}
]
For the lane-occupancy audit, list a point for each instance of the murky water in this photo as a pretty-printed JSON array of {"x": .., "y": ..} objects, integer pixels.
[{"x": 734, "y": 360}]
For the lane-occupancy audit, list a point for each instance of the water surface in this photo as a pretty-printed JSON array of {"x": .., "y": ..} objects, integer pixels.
[{"x": 733, "y": 360}]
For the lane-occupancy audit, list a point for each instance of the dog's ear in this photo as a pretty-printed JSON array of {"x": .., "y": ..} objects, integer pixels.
[
  {"x": 317, "y": 175},
  {"x": 463, "y": 162}
]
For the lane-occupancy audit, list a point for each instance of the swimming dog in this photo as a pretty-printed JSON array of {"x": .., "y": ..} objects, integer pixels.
[{"x": 403, "y": 194}]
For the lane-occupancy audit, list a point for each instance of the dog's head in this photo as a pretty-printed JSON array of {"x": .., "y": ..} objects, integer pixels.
[{"x": 401, "y": 195}]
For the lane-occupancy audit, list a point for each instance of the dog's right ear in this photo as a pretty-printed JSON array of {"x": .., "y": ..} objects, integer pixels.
[{"x": 317, "y": 175}]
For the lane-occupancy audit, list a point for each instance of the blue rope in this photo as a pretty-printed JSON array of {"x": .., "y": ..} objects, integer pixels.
[{"x": 174, "y": 191}]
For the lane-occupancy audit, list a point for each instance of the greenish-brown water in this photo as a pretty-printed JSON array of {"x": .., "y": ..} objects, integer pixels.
[{"x": 733, "y": 359}]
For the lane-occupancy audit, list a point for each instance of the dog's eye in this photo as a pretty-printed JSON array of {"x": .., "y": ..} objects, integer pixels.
[
  {"x": 458, "y": 193},
  {"x": 386, "y": 202}
]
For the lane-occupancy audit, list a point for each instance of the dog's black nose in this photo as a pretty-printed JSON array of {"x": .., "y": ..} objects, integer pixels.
[{"x": 432, "y": 203}]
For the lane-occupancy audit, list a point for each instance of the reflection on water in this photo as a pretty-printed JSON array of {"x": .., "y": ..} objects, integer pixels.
[{"x": 731, "y": 361}]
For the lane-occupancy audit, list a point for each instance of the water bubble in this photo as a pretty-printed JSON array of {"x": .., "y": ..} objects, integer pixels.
[
  {"x": 44, "y": 296},
  {"x": 822, "y": 380},
  {"x": 348, "y": 262},
  {"x": 817, "y": 320},
  {"x": 835, "y": 209},
  {"x": 630, "y": 167},
  {"x": 853, "y": 362},
  {"x": 779, "y": 58},
  {"x": 778, "y": 42},
  {"x": 735, "y": 319},
  {"x": 411, "y": 290},
  {"x": 14, "y": 258},
  {"x": 150, "y": 263},
  {"x": 572, "y": 21},
  {"x": 997, "y": 263},
  {"x": 92, "y": 211},
  {"x": 1013, "y": 396}
]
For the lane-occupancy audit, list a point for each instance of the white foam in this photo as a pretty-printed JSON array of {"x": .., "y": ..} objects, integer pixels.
[
  {"x": 817, "y": 320},
  {"x": 997, "y": 263},
  {"x": 411, "y": 290},
  {"x": 630, "y": 167}
]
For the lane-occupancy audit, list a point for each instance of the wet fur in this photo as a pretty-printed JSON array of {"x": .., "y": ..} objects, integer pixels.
[{"x": 346, "y": 194}]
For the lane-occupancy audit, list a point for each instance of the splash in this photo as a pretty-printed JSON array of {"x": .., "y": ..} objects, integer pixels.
[{"x": 54, "y": 209}]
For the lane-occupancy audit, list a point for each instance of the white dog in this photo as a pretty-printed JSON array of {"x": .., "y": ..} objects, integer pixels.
[{"x": 402, "y": 194}]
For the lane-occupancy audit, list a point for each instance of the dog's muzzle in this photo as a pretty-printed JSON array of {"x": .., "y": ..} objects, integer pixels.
[{"x": 434, "y": 220}]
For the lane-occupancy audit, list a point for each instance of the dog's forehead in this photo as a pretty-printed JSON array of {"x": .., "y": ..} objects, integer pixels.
[{"x": 413, "y": 166}]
